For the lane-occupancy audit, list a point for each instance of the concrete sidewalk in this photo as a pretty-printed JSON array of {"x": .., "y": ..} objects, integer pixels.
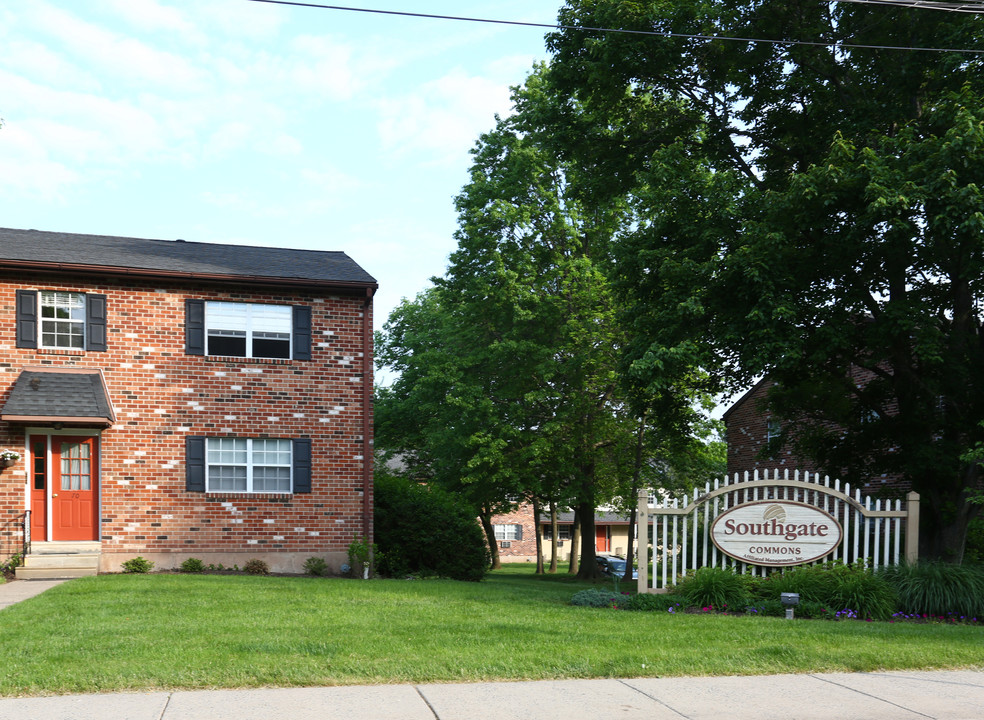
[{"x": 841, "y": 696}]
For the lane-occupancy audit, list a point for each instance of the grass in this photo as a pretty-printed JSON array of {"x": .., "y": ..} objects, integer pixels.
[{"x": 138, "y": 632}]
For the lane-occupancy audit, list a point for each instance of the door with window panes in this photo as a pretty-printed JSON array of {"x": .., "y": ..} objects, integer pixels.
[{"x": 74, "y": 488}]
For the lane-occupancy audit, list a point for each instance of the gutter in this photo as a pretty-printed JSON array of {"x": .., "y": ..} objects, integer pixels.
[
  {"x": 355, "y": 287},
  {"x": 367, "y": 446}
]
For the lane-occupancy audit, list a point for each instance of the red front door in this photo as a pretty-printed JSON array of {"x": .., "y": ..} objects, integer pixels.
[
  {"x": 74, "y": 488},
  {"x": 602, "y": 543}
]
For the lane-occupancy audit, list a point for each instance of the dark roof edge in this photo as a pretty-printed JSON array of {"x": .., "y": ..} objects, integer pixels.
[
  {"x": 743, "y": 398},
  {"x": 82, "y": 269}
]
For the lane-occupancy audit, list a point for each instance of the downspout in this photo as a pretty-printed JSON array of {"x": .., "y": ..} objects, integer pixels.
[{"x": 367, "y": 446}]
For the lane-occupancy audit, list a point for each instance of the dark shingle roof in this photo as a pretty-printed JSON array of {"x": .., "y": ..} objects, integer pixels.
[
  {"x": 170, "y": 257},
  {"x": 78, "y": 396}
]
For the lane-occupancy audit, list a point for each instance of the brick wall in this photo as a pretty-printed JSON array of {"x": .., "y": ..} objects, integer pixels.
[
  {"x": 162, "y": 395},
  {"x": 524, "y": 549}
]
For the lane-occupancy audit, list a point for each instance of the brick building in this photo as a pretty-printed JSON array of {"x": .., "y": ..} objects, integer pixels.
[
  {"x": 172, "y": 399},
  {"x": 748, "y": 431},
  {"x": 516, "y": 534},
  {"x": 749, "y": 428}
]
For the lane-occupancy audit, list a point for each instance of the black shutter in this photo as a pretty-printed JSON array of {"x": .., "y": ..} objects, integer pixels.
[
  {"x": 95, "y": 322},
  {"x": 519, "y": 532},
  {"x": 302, "y": 332},
  {"x": 27, "y": 319},
  {"x": 302, "y": 465},
  {"x": 195, "y": 327},
  {"x": 194, "y": 464}
]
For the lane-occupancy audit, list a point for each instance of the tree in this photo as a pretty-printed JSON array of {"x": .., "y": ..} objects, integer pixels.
[{"x": 806, "y": 212}]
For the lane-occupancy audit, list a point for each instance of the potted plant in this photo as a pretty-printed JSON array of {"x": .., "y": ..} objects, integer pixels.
[{"x": 8, "y": 458}]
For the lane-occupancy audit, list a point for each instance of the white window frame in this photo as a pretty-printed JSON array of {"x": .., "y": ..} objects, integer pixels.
[
  {"x": 246, "y": 326},
  {"x": 213, "y": 444},
  {"x": 773, "y": 429},
  {"x": 564, "y": 531},
  {"x": 506, "y": 532},
  {"x": 42, "y": 320}
]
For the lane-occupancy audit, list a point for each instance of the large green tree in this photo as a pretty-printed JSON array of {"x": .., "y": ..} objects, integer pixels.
[
  {"x": 811, "y": 212},
  {"x": 510, "y": 380}
]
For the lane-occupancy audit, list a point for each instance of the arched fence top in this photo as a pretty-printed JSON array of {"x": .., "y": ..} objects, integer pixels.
[{"x": 680, "y": 524}]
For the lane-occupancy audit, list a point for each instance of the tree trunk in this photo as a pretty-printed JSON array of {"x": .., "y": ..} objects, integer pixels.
[
  {"x": 553, "y": 536},
  {"x": 539, "y": 538},
  {"x": 589, "y": 562},
  {"x": 636, "y": 474},
  {"x": 575, "y": 544},
  {"x": 486, "y": 519}
]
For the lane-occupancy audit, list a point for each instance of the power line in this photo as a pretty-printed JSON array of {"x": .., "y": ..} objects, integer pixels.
[
  {"x": 652, "y": 33},
  {"x": 964, "y": 7}
]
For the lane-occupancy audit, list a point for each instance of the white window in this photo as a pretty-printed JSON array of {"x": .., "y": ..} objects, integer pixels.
[
  {"x": 62, "y": 319},
  {"x": 563, "y": 532},
  {"x": 248, "y": 465},
  {"x": 248, "y": 330},
  {"x": 508, "y": 532},
  {"x": 773, "y": 430}
]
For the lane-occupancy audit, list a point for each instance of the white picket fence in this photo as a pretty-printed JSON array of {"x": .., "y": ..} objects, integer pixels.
[{"x": 681, "y": 525}]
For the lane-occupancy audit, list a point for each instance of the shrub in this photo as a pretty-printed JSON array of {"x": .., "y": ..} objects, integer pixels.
[
  {"x": 138, "y": 565},
  {"x": 361, "y": 556},
  {"x": 596, "y": 598},
  {"x": 937, "y": 588},
  {"x": 192, "y": 565},
  {"x": 715, "y": 587},
  {"x": 835, "y": 587},
  {"x": 316, "y": 566},
  {"x": 650, "y": 602},
  {"x": 256, "y": 567},
  {"x": 423, "y": 530}
]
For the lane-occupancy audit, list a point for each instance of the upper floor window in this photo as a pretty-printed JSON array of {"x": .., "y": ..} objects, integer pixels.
[
  {"x": 62, "y": 319},
  {"x": 58, "y": 319},
  {"x": 248, "y": 330},
  {"x": 773, "y": 430},
  {"x": 508, "y": 531}
]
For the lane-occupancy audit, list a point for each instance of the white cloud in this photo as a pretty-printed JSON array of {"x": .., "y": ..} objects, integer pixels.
[
  {"x": 444, "y": 118},
  {"x": 113, "y": 55},
  {"x": 151, "y": 16}
]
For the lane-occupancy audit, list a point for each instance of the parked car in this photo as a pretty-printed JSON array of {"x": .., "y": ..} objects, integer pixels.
[{"x": 614, "y": 566}]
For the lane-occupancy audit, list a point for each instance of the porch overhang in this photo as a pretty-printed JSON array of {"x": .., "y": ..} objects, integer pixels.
[{"x": 59, "y": 397}]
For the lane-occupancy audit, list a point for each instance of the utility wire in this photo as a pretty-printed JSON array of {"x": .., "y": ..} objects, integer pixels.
[
  {"x": 964, "y": 7},
  {"x": 655, "y": 33}
]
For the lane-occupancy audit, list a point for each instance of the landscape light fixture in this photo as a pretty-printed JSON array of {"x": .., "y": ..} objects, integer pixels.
[{"x": 790, "y": 600}]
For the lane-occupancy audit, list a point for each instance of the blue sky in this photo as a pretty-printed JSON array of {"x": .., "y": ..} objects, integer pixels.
[{"x": 232, "y": 121}]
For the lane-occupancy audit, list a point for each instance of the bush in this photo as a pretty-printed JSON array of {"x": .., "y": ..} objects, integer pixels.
[
  {"x": 138, "y": 565},
  {"x": 834, "y": 587},
  {"x": 316, "y": 566},
  {"x": 256, "y": 567},
  {"x": 192, "y": 565},
  {"x": 937, "y": 588},
  {"x": 423, "y": 530},
  {"x": 715, "y": 587},
  {"x": 649, "y": 602},
  {"x": 596, "y": 598},
  {"x": 361, "y": 556}
]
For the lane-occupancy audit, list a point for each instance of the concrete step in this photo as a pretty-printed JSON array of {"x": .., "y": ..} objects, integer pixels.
[
  {"x": 65, "y": 547},
  {"x": 52, "y": 560},
  {"x": 28, "y": 573},
  {"x": 76, "y": 560}
]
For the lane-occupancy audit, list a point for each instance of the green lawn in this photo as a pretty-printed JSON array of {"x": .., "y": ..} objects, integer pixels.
[{"x": 130, "y": 632}]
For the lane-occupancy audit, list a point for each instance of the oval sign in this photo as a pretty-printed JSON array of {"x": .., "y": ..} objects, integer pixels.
[{"x": 776, "y": 533}]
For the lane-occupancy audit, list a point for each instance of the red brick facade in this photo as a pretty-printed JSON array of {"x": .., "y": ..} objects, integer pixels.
[
  {"x": 161, "y": 395},
  {"x": 747, "y": 432}
]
